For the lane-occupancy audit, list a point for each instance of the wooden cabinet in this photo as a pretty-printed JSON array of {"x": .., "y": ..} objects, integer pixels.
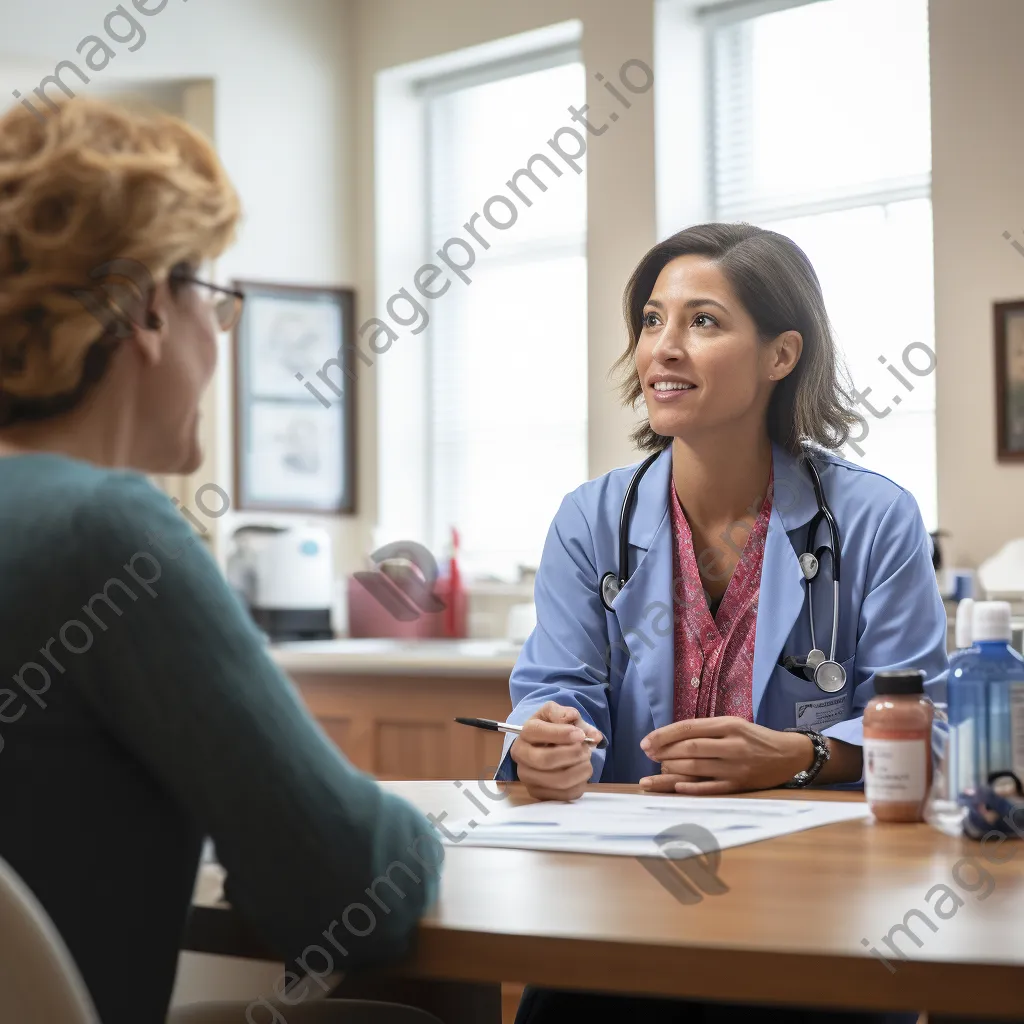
[{"x": 402, "y": 726}]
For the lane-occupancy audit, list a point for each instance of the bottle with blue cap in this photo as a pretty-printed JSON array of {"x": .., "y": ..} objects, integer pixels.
[{"x": 986, "y": 704}]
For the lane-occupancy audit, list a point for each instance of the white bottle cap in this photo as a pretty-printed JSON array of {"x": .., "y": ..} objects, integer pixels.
[
  {"x": 964, "y": 616},
  {"x": 991, "y": 621}
]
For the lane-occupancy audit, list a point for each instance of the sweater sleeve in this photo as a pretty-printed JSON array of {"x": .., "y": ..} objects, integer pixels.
[{"x": 181, "y": 677}]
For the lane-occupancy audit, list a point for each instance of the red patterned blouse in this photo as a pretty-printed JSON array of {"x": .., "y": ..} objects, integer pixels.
[{"x": 714, "y": 655}]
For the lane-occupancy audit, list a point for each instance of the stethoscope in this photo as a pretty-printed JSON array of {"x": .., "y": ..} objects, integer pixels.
[{"x": 828, "y": 675}]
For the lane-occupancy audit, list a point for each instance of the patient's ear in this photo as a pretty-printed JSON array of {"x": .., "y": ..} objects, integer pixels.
[{"x": 149, "y": 335}]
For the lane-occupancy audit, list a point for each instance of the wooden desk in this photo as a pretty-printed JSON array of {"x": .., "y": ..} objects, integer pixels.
[{"x": 788, "y": 931}]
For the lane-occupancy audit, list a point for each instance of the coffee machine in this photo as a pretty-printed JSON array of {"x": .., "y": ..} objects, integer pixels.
[{"x": 285, "y": 576}]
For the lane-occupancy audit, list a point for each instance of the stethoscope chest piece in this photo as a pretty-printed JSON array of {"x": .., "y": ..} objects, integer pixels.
[
  {"x": 829, "y": 676},
  {"x": 610, "y": 588}
]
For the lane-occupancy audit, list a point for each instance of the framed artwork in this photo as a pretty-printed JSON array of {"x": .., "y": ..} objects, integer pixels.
[
  {"x": 1009, "y": 332},
  {"x": 293, "y": 451}
]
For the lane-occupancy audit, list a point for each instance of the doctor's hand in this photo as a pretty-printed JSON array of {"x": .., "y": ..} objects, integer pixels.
[
  {"x": 552, "y": 758},
  {"x": 711, "y": 756}
]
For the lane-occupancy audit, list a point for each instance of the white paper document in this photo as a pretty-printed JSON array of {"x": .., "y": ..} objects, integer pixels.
[{"x": 641, "y": 825}]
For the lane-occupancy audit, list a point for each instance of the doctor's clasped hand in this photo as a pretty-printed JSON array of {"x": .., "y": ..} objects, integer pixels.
[{"x": 712, "y": 756}]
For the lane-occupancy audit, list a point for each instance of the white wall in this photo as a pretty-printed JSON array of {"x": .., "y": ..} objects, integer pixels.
[
  {"x": 978, "y": 192},
  {"x": 283, "y": 89}
]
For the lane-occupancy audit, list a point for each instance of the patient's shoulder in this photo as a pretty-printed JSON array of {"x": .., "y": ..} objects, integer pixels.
[{"x": 51, "y": 499}]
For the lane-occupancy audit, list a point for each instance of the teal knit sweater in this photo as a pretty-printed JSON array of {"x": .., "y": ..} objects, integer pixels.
[{"x": 140, "y": 712}]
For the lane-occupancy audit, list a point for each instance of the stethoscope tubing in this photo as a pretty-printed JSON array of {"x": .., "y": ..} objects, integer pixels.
[
  {"x": 628, "y": 504},
  {"x": 611, "y": 584}
]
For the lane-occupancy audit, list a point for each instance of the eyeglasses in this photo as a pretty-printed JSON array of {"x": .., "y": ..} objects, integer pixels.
[{"x": 227, "y": 308}]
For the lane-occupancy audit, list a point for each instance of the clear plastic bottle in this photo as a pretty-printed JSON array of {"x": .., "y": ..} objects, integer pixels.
[
  {"x": 948, "y": 782},
  {"x": 986, "y": 704},
  {"x": 964, "y": 635}
]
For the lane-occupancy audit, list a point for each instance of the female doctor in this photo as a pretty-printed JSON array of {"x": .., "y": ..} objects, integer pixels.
[{"x": 719, "y": 619}]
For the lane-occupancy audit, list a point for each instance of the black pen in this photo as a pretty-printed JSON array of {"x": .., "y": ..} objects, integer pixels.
[{"x": 490, "y": 723}]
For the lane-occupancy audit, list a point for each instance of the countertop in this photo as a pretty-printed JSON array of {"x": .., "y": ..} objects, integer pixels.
[{"x": 398, "y": 657}]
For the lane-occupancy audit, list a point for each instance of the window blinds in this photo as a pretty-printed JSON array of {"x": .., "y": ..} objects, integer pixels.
[
  {"x": 507, "y": 387},
  {"x": 819, "y": 129}
]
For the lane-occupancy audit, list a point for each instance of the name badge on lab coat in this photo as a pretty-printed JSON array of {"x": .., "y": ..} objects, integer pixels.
[{"x": 818, "y": 714}]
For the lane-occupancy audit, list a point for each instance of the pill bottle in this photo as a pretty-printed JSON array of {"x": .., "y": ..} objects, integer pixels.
[{"x": 897, "y": 746}]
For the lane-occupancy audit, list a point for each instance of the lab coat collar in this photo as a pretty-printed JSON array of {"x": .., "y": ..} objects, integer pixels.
[{"x": 793, "y": 494}]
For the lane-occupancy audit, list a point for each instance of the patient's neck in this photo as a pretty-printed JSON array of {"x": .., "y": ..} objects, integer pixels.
[
  {"x": 93, "y": 432},
  {"x": 721, "y": 478}
]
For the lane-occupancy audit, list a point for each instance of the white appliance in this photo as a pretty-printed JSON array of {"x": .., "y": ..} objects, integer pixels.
[{"x": 286, "y": 577}]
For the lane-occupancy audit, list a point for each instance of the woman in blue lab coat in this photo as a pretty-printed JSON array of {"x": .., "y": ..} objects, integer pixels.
[{"x": 689, "y": 648}]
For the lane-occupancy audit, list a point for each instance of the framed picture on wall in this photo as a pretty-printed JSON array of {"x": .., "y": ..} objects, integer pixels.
[
  {"x": 1009, "y": 333},
  {"x": 294, "y": 452}
]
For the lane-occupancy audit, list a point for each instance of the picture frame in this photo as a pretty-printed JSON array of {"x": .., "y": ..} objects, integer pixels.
[
  {"x": 294, "y": 447},
  {"x": 1009, "y": 353}
]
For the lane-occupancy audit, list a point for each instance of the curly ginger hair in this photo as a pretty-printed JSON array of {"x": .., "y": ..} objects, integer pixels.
[{"x": 88, "y": 192}]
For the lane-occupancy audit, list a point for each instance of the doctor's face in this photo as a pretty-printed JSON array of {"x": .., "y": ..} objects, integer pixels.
[{"x": 699, "y": 356}]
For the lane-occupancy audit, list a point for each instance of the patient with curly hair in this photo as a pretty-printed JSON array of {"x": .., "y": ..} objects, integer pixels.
[{"x": 139, "y": 709}]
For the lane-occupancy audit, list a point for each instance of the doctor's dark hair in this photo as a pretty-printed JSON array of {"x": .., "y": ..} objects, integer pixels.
[{"x": 778, "y": 287}]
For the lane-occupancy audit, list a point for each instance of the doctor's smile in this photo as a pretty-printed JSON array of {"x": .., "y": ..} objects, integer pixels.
[
  {"x": 781, "y": 571},
  {"x": 666, "y": 388}
]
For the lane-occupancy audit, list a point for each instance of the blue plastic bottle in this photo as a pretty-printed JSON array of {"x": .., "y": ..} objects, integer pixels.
[{"x": 986, "y": 704}]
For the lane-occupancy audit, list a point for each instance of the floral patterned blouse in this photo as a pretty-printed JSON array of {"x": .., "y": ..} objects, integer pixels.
[{"x": 714, "y": 652}]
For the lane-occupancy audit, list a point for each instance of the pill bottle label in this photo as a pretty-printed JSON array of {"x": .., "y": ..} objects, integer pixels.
[
  {"x": 895, "y": 771},
  {"x": 1017, "y": 729}
]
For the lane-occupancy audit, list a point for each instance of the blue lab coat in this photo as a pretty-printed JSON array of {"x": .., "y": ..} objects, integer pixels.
[{"x": 617, "y": 667}]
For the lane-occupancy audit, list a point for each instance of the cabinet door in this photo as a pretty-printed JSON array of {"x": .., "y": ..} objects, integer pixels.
[{"x": 401, "y": 727}]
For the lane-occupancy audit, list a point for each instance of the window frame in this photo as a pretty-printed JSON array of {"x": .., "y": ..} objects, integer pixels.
[{"x": 405, "y": 478}]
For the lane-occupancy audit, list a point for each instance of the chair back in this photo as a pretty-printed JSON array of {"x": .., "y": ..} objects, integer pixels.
[{"x": 39, "y": 982}]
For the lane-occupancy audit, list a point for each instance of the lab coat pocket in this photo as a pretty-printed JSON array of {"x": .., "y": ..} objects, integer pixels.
[{"x": 797, "y": 702}]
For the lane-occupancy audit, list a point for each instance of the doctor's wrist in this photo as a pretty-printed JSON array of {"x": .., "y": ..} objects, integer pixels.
[
  {"x": 801, "y": 755},
  {"x": 845, "y": 763}
]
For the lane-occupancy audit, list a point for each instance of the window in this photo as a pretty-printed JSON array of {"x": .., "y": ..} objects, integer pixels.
[
  {"x": 506, "y": 368},
  {"x": 820, "y": 130}
]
